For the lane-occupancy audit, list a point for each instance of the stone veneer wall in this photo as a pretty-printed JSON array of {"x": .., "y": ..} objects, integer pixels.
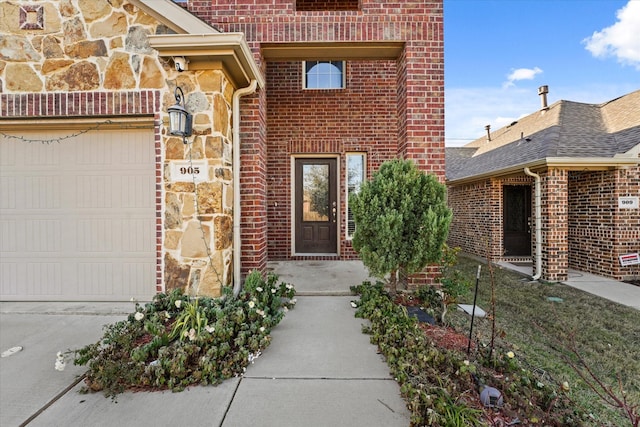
[{"x": 91, "y": 58}]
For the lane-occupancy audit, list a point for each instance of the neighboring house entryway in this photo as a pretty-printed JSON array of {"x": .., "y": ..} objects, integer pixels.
[
  {"x": 517, "y": 220},
  {"x": 316, "y": 206},
  {"x": 78, "y": 215}
]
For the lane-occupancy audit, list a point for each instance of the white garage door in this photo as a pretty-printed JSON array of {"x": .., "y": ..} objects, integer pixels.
[{"x": 77, "y": 217}]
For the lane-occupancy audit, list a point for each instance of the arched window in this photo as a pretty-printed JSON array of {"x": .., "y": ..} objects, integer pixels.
[{"x": 324, "y": 75}]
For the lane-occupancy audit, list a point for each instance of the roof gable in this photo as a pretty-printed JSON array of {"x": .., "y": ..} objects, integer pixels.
[{"x": 567, "y": 131}]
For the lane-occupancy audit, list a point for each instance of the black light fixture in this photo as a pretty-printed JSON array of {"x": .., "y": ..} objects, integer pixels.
[{"x": 180, "y": 120}]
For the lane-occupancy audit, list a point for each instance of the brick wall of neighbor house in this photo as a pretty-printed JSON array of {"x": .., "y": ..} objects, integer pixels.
[
  {"x": 91, "y": 58},
  {"x": 599, "y": 231},
  {"x": 419, "y": 77},
  {"x": 477, "y": 212},
  {"x": 555, "y": 224},
  {"x": 304, "y": 121}
]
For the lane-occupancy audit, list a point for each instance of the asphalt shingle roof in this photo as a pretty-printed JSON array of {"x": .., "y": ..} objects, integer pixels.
[{"x": 565, "y": 130}]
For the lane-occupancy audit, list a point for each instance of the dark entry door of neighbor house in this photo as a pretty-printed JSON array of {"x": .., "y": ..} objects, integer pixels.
[
  {"x": 517, "y": 220},
  {"x": 316, "y": 206}
]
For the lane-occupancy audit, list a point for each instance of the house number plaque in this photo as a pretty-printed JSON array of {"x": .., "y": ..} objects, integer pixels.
[
  {"x": 189, "y": 171},
  {"x": 629, "y": 202}
]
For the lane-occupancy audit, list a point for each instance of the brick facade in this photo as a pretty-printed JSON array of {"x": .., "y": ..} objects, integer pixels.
[
  {"x": 582, "y": 226},
  {"x": 303, "y": 122},
  {"x": 390, "y": 108},
  {"x": 599, "y": 231},
  {"x": 92, "y": 58}
]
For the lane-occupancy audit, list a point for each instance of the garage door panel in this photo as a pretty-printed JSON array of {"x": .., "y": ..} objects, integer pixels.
[{"x": 78, "y": 217}]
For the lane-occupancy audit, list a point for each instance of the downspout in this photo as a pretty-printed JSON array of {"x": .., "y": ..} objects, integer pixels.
[
  {"x": 538, "y": 214},
  {"x": 237, "y": 242}
]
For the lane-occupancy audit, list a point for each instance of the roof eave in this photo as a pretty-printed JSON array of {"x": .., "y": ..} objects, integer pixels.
[
  {"x": 174, "y": 16},
  {"x": 567, "y": 163},
  {"x": 204, "y": 51}
]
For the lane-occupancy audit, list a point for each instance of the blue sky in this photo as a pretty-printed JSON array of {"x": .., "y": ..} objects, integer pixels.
[{"x": 498, "y": 52}]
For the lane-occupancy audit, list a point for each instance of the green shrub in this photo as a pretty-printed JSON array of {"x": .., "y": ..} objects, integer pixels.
[
  {"x": 441, "y": 386},
  {"x": 176, "y": 341},
  {"x": 402, "y": 221}
]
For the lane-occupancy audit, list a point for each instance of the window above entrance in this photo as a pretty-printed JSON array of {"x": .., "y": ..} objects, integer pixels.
[{"x": 323, "y": 75}]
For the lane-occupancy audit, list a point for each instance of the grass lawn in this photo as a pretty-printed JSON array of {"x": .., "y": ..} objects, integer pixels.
[{"x": 541, "y": 332}]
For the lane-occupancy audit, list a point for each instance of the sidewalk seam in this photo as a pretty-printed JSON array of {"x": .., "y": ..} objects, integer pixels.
[
  {"x": 54, "y": 400},
  {"x": 233, "y": 396}
]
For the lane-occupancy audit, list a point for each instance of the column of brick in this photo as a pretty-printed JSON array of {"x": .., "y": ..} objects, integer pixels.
[{"x": 555, "y": 225}]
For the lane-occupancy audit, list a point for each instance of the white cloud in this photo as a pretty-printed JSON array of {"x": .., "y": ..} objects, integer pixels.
[
  {"x": 622, "y": 39},
  {"x": 521, "y": 74}
]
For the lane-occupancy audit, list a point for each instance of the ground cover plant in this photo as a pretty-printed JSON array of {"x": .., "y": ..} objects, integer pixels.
[
  {"x": 176, "y": 340},
  {"x": 543, "y": 351}
]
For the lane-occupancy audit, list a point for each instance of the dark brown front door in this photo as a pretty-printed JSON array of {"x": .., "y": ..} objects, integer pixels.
[
  {"x": 316, "y": 206},
  {"x": 517, "y": 220}
]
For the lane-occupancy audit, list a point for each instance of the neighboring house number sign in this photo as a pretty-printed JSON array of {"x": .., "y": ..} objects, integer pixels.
[
  {"x": 189, "y": 171},
  {"x": 628, "y": 202}
]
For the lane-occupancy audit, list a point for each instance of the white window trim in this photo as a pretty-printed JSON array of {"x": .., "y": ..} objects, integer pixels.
[
  {"x": 346, "y": 186},
  {"x": 344, "y": 76}
]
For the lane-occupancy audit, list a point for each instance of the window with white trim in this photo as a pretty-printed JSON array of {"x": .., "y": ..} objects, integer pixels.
[
  {"x": 323, "y": 75},
  {"x": 356, "y": 174}
]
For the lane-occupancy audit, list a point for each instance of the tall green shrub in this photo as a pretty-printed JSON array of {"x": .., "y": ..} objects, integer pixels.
[{"x": 402, "y": 221}]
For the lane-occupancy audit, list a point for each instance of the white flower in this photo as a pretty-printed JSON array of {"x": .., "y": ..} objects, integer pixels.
[
  {"x": 539, "y": 384},
  {"x": 262, "y": 329},
  {"x": 259, "y": 289},
  {"x": 273, "y": 291},
  {"x": 466, "y": 363},
  {"x": 167, "y": 315},
  {"x": 178, "y": 303},
  {"x": 510, "y": 355},
  {"x": 293, "y": 301},
  {"x": 353, "y": 304},
  {"x": 261, "y": 313},
  {"x": 289, "y": 287},
  {"x": 252, "y": 304},
  {"x": 565, "y": 386},
  {"x": 60, "y": 364},
  {"x": 139, "y": 315},
  {"x": 209, "y": 329},
  {"x": 192, "y": 334},
  {"x": 253, "y": 356}
]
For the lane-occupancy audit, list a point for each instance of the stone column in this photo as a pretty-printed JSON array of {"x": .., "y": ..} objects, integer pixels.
[{"x": 198, "y": 184}]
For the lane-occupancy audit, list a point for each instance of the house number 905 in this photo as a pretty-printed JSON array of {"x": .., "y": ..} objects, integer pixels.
[{"x": 190, "y": 170}]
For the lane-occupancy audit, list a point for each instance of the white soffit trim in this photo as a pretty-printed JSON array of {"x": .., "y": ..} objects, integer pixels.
[
  {"x": 204, "y": 50},
  {"x": 174, "y": 16}
]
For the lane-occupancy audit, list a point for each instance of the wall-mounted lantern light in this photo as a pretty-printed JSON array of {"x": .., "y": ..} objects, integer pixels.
[{"x": 180, "y": 120}]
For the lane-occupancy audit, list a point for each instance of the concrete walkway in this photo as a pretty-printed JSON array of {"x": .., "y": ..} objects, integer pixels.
[
  {"x": 620, "y": 292},
  {"x": 320, "y": 370}
]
